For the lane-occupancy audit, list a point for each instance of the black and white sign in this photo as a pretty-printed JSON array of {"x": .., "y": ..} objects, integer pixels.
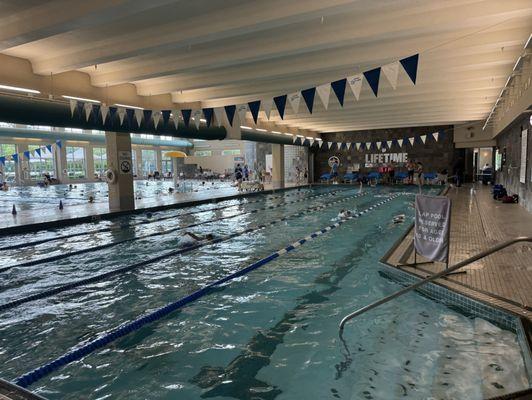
[
  {"x": 124, "y": 162},
  {"x": 431, "y": 232}
]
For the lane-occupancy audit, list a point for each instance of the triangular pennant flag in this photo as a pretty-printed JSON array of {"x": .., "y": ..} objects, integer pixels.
[
  {"x": 95, "y": 112},
  {"x": 121, "y": 114},
  {"x": 368, "y": 145},
  {"x": 423, "y": 138},
  {"x": 308, "y": 96},
  {"x": 435, "y": 135},
  {"x": 196, "y": 116},
  {"x": 321, "y": 143},
  {"x": 355, "y": 83},
  {"x": 348, "y": 145},
  {"x": 175, "y": 117},
  {"x": 400, "y": 142},
  {"x": 207, "y": 113},
  {"x": 130, "y": 114},
  {"x": 3, "y": 160},
  {"x": 280, "y": 103},
  {"x": 339, "y": 90},
  {"x": 267, "y": 107},
  {"x": 389, "y": 144},
  {"x": 49, "y": 147},
  {"x": 138, "y": 116},
  {"x": 391, "y": 72},
  {"x": 324, "y": 92},
  {"x": 166, "y": 116},
  {"x": 38, "y": 151},
  {"x": 294, "y": 139},
  {"x": 372, "y": 77},
  {"x": 410, "y": 66},
  {"x": 112, "y": 113},
  {"x": 219, "y": 113},
  {"x": 230, "y": 113},
  {"x": 27, "y": 154},
  {"x": 378, "y": 145},
  {"x": 58, "y": 143},
  {"x": 73, "y": 105},
  {"x": 441, "y": 135},
  {"x": 329, "y": 144},
  {"x": 242, "y": 110},
  {"x": 357, "y": 145},
  {"x": 88, "y": 109},
  {"x": 254, "y": 107},
  {"x": 311, "y": 142},
  {"x": 156, "y": 118},
  {"x": 104, "y": 110},
  {"x": 295, "y": 99},
  {"x": 15, "y": 157},
  {"x": 186, "y": 116},
  {"x": 411, "y": 140}
]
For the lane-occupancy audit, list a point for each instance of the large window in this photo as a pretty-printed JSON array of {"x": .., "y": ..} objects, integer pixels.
[
  {"x": 75, "y": 162},
  {"x": 235, "y": 152},
  {"x": 9, "y": 167},
  {"x": 100, "y": 160},
  {"x": 203, "y": 153},
  {"x": 40, "y": 165},
  {"x": 149, "y": 162},
  {"x": 166, "y": 164}
]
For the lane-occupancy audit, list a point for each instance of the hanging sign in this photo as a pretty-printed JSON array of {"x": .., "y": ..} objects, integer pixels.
[
  {"x": 125, "y": 162},
  {"x": 432, "y": 224}
]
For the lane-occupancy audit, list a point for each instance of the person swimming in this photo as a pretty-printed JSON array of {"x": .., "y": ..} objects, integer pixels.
[
  {"x": 343, "y": 214},
  {"x": 190, "y": 239},
  {"x": 399, "y": 219}
]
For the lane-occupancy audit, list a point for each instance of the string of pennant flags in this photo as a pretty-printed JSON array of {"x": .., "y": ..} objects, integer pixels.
[
  {"x": 139, "y": 118},
  {"x": 372, "y": 145},
  {"x": 35, "y": 153}
]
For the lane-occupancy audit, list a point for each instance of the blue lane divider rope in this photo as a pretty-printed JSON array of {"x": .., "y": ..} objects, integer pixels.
[
  {"x": 127, "y": 268},
  {"x": 84, "y": 350},
  {"x": 158, "y": 233},
  {"x": 150, "y": 221}
]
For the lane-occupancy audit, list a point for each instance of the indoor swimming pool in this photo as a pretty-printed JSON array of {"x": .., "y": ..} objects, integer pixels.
[
  {"x": 35, "y": 197},
  {"x": 271, "y": 333}
]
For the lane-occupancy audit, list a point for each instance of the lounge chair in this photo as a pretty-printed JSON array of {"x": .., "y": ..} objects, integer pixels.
[
  {"x": 350, "y": 177},
  {"x": 325, "y": 177}
]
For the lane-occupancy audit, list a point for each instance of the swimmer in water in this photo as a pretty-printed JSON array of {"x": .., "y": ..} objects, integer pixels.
[
  {"x": 91, "y": 199},
  {"x": 190, "y": 239},
  {"x": 343, "y": 214},
  {"x": 170, "y": 190},
  {"x": 399, "y": 219}
]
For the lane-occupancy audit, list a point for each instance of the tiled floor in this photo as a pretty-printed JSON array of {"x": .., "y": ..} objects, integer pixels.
[{"x": 478, "y": 222}]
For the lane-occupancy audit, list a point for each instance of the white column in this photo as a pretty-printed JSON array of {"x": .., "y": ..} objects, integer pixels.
[
  {"x": 277, "y": 166},
  {"x": 89, "y": 162},
  {"x": 60, "y": 161},
  {"x": 121, "y": 191},
  {"x": 158, "y": 160}
]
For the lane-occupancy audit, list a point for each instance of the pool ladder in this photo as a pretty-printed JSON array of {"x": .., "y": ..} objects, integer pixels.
[{"x": 431, "y": 278}]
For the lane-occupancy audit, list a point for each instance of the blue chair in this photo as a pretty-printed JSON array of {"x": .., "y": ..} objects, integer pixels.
[
  {"x": 326, "y": 177},
  {"x": 400, "y": 176},
  {"x": 350, "y": 177},
  {"x": 429, "y": 176},
  {"x": 374, "y": 175}
]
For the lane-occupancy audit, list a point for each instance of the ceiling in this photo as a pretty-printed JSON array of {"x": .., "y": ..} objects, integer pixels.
[{"x": 221, "y": 52}]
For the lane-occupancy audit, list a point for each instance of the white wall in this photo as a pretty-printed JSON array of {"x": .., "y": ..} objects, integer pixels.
[{"x": 471, "y": 135}]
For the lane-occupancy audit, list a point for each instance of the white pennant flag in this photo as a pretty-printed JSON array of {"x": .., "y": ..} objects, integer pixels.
[
  {"x": 104, "y": 110},
  {"x": 267, "y": 107},
  {"x": 321, "y": 143},
  {"x": 329, "y": 144},
  {"x": 294, "y": 138},
  {"x": 436, "y": 134},
  {"x": 355, "y": 83},
  {"x": 196, "y": 117},
  {"x": 242, "y": 110},
  {"x": 121, "y": 114},
  {"x": 175, "y": 115},
  {"x": 88, "y": 110},
  {"x": 379, "y": 145},
  {"x": 391, "y": 72},
  {"x": 219, "y": 114},
  {"x": 368, "y": 145},
  {"x": 73, "y": 104},
  {"x": 389, "y": 144},
  {"x": 156, "y": 118},
  {"x": 348, "y": 145},
  {"x": 423, "y": 138},
  {"x": 411, "y": 140},
  {"x": 400, "y": 141},
  {"x": 311, "y": 142},
  {"x": 357, "y": 145},
  {"x": 138, "y": 116},
  {"x": 295, "y": 99},
  {"x": 324, "y": 92}
]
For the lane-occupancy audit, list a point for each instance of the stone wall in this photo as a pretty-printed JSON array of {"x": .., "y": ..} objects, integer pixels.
[
  {"x": 509, "y": 143},
  {"x": 435, "y": 156}
]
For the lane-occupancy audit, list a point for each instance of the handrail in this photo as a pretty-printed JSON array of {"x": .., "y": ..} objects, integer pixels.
[{"x": 459, "y": 265}]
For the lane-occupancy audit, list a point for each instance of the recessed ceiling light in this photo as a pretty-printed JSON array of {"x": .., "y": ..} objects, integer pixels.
[
  {"x": 80, "y": 99},
  {"x": 126, "y": 106},
  {"x": 19, "y": 89},
  {"x": 249, "y": 128}
]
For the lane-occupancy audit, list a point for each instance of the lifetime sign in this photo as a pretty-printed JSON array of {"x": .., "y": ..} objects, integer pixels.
[
  {"x": 380, "y": 158},
  {"x": 431, "y": 231}
]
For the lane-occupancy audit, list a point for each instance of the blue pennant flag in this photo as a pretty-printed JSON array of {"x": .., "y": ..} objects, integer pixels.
[
  {"x": 3, "y": 160},
  {"x": 166, "y": 116},
  {"x": 49, "y": 147},
  {"x": 441, "y": 135},
  {"x": 280, "y": 103},
  {"x": 27, "y": 154},
  {"x": 410, "y": 66},
  {"x": 58, "y": 143},
  {"x": 230, "y": 113},
  {"x": 254, "y": 107},
  {"x": 38, "y": 151},
  {"x": 112, "y": 113},
  {"x": 208, "y": 113},
  {"x": 308, "y": 96},
  {"x": 186, "y": 116},
  {"x": 373, "y": 76},
  {"x": 384, "y": 144},
  {"x": 147, "y": 117},
  {"x": 338, "y": 88},
  {"x": 95, "y": 112},
  {"x": 130, "y": 114},
  {"x": 362, "y": 146},
  {"x": 15, "y": 157}
]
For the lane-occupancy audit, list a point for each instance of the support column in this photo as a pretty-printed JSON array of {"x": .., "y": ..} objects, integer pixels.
[
  {"x": 89, "y": 162},
  {"x": 23, "y": 166},
  {"x": 121, "y": 192},
  {"x": 60, "y": 160},
  {"x": 278, "y": 166},
  {"x": 159, "y": 160}
]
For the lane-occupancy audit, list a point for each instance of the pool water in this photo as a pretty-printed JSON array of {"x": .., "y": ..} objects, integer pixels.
[
  {"x": 34, "y": 197},
  {"x": 272, "y": 334}
]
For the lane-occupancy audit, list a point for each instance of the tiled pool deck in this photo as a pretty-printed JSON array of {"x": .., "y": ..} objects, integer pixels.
[{"x": 503, "y": 279}]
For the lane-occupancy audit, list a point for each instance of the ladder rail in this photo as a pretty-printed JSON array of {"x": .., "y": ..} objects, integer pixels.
[{"x": 431, "y": 278}]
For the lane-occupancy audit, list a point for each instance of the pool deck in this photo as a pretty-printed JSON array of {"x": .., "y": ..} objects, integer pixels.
[
  {"x": 503, "y": 279},
  {"x": 52, "y": 217}
]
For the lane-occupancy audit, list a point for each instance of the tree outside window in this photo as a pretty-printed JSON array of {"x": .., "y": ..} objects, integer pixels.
[
  {"x": 39, "y": 165},
  {"x": 75, "y": 162},
  {"x": 9, "y": 168},
  {"x": 100, "y": 160}
]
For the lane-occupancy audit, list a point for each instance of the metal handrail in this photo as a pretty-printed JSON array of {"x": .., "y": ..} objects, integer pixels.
[{"x": 453, "y": 268}]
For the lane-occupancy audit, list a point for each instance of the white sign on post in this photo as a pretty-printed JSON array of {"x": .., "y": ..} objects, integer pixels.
[
  {"x": 431, "y": 230},
  {"x": 124, "y": 162},
  {"x": 524, "y": 143}
]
